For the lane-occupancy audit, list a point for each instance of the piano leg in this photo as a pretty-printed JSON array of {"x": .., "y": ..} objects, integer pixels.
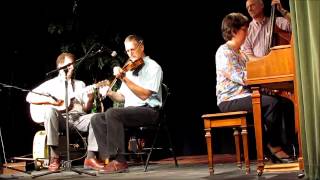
[{"x": 256, "y": 103}]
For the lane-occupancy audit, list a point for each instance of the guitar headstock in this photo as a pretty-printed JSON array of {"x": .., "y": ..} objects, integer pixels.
[{"x": 102, "y": 83}]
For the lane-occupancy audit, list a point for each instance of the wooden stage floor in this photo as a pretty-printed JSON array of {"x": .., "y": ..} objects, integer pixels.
[{"x": 190, "y": 167}]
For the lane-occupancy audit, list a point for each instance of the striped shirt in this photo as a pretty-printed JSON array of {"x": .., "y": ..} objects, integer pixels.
[{"x": 257, "y": 41}]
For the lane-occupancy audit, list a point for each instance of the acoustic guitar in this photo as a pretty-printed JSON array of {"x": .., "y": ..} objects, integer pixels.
[{"x": 35, "y": 109}]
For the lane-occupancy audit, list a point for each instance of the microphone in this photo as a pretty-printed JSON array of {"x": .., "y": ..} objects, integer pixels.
[
  {"x": 66, "y": 70},
  {"x": 114, "y": 53},
  {"x": 109, "y": 51},
  {"x": 63, "y": 72}
]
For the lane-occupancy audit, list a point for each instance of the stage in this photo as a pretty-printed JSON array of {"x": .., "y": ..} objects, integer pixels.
[{"x": 190, "y": 167}]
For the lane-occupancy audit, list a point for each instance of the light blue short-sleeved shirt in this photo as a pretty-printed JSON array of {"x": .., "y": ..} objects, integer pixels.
[{"x": 149, "y": 77}]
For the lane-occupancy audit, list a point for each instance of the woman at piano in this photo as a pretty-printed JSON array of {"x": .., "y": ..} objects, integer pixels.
[{"x": 232, "y": 93}]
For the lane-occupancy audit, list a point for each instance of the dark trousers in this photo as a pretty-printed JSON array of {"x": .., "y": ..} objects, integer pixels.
[
  {"x": 109, "y": 128},
  {"x": 277, "y": 116}
]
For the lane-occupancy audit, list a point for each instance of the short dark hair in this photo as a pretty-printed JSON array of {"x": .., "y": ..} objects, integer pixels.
[{"x": 231, "y": 23}]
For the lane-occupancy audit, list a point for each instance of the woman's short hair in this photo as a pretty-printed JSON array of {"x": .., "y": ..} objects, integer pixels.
[{"x": 231, "y": 23}]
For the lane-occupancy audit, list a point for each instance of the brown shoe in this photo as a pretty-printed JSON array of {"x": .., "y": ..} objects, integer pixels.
[
  {"x": 54, "y": 164},
  {"x": 115, "y": 167},
  {"x": 92, "y": 164}
]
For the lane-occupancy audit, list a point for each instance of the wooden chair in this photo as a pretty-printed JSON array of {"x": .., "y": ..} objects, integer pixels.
[{"x": 236, "y": 120}]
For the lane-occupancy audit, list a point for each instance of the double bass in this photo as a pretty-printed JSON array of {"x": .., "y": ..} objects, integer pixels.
[{"x": 279, "y": 36}]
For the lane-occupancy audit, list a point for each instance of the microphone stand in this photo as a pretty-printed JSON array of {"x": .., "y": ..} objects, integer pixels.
[
  {"x": 67, "y": 164},
  {"x": 5, "y": 165},
  {"x": 27, "y": 90},
  {"x": 78, "y": 61}
]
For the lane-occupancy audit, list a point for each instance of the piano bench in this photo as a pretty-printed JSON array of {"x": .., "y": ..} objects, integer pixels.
[{"x": 236, "y": 120}]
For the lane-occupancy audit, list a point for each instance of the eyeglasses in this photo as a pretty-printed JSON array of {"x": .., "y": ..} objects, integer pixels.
[
  {"x": 134, "y": 49},
  {"x": 131, "y": 50}
]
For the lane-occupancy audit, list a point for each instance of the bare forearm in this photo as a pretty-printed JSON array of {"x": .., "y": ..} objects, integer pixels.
[
  {"x": 137, "y": 90},
  {"x": 88, "y": 106},
  {"x": 39, "y": 100},
  {"x": 115, "y": 96}
]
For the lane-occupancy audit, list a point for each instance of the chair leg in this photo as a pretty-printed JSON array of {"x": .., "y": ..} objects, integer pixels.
[
  {"x": 151, "y": 149},
  {"x": 171, "y": 146},
  {"x": 244, "y": 134},
  {"x": 237, "y": 142},
  {"x": 154, "y": 143}
]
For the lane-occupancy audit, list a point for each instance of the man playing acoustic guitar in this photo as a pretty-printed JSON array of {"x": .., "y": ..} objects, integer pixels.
[{"x": 51, "y": 110}]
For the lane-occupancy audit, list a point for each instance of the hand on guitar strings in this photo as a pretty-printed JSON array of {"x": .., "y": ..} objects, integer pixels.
[
  {"x": 104, "y": 91},
  {"x": 57, "y": 102}
]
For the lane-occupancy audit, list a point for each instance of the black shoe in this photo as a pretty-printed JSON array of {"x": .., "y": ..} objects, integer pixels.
[{"x": 275, "y": 159}]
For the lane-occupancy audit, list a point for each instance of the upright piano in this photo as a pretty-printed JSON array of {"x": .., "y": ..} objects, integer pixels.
[{"x": 275, "y": 71}]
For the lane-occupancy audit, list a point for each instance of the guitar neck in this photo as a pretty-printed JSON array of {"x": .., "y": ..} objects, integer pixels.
[
  {"x": 36, "y": 109},
  {"x": 90, "y": 87}
]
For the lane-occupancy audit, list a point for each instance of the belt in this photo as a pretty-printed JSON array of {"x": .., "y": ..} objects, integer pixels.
[{"x": 155, "y": 108}]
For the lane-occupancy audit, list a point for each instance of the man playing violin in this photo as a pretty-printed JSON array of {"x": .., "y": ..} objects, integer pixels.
[
  {"x": 51, "y": 110},
  {"x": 140, "y": 91}
]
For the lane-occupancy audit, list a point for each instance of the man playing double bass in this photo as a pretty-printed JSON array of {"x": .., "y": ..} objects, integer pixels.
[{"x": 257, "y": 43}]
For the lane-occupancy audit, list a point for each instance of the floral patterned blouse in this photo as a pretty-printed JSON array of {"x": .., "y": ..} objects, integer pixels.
[{"x": 231, "y": 74}]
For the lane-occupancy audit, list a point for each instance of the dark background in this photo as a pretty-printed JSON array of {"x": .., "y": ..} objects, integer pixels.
[{"x": 182, "y": 37}]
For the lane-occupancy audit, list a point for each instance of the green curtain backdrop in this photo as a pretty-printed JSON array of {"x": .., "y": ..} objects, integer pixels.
[{"x": 305, "y": 15}]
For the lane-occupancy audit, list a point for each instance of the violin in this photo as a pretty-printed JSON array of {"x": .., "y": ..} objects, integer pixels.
[
  {"x": 129, "y": 66},
  {"x": 132, "y": 65}
]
